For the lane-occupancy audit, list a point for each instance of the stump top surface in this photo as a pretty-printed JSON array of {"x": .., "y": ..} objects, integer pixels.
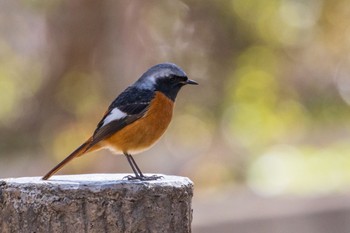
[{"x": 95, "y": 180}]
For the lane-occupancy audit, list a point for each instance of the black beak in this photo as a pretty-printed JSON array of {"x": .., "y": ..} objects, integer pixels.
[{"x": 191, "y": 82}]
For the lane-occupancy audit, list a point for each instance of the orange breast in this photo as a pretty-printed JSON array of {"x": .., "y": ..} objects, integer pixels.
[{"x": 143, "y": 133}]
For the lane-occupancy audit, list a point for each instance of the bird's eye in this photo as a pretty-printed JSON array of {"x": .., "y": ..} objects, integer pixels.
[{"x": 173, "y": 79}]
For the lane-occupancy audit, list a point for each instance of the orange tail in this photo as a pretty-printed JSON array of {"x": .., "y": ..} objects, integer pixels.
[{"x": 85, "y": 147}]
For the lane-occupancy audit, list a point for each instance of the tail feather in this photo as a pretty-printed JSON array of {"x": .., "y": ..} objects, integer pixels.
[{"x": 85, "y": 147}]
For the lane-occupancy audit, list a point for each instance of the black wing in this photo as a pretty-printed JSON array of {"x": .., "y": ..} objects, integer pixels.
[{"x": 134, "y": 102}]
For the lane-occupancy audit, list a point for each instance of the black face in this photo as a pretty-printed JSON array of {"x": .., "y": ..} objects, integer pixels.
[{"x": 170, "y": 85}]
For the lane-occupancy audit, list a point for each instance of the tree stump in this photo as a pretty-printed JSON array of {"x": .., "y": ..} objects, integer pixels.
[{"x": 95, "y": 203}]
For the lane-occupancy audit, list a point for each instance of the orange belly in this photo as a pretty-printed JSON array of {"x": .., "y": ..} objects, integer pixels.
[{"x": 143, "y": 133}]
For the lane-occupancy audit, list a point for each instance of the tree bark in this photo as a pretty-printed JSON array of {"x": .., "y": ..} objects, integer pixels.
[{"x": 95, "y": 203}]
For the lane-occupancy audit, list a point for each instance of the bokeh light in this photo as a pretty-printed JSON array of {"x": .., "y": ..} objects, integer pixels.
[{"x": 271, "y": 115}]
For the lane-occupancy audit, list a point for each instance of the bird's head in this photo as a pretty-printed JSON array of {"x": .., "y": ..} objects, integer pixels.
[{"x": 167, "y": 78}]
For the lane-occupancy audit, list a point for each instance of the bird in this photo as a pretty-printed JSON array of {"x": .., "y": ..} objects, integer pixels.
[{"x": 137, "y": 118}]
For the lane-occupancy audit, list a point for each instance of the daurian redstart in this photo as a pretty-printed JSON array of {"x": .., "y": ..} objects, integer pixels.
[{"x": 137, "y": 118}]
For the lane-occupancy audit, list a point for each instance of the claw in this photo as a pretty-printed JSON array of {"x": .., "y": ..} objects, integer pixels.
[
  {"x": 130, "y": 177},
  {"x": 154, "y": 177},
  {"x": 142, "y": 178}
]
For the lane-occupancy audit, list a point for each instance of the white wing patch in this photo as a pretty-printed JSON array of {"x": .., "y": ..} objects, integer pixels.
[{"x": 115, "y": 114}]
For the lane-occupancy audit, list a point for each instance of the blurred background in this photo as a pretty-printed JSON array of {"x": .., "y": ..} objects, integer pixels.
[{"x": 265, "y": 137}]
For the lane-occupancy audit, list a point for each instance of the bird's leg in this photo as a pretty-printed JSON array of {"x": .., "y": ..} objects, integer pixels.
[
  {"x": 137, "y": 167},
  {"x": 138, "y": 174},
  {"x": 143, "y": 177}
]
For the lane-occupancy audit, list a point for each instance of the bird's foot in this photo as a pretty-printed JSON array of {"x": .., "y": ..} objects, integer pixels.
[
  {"x": 130, "y": 177},
  {"x": 142, "y": 178},
  {"x": 154, "y": 177}
]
